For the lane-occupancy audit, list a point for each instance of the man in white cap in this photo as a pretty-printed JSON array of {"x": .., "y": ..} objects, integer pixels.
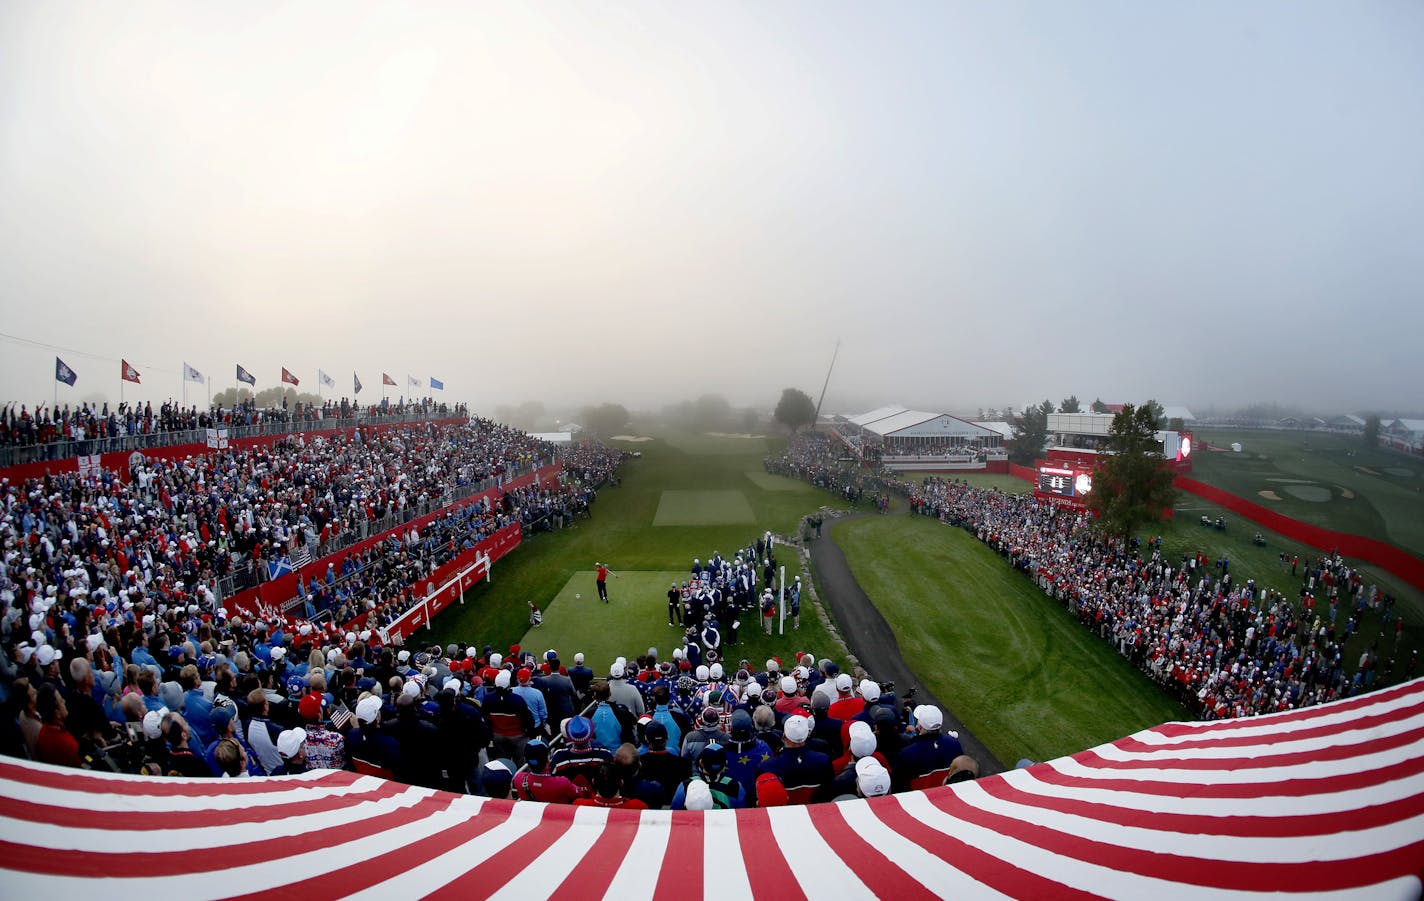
[
  {"x": 801, "y": 770},
  {"x": 368, "y": 742},
  {"x": 292, "y": 746},
  {"x": 928, "y": 757}
]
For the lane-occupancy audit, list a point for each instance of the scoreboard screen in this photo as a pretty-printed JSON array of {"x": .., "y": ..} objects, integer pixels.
[
  {"x": 1068, "y": 483},
  {"x": 1056, "y": 481}
]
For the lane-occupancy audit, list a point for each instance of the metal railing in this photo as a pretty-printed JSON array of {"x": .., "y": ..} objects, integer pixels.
[
  {"x": 63, "y": 450},
  {"x": 244, "y": 577}
]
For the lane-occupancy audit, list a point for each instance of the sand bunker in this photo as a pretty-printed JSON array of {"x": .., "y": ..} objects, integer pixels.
[
  {"x": 1312, "y": 493},
  {"x": 630, "y": 438},
  {"x": 1366, "y": 470},
  {"x": 1346, "y": 493},
  {"x": 1269, "y": 495}
]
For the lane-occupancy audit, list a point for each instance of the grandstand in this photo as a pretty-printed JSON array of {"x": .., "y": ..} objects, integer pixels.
[
  {"x": 903, "y": 439},
  {"x": 123, "y": 567}
]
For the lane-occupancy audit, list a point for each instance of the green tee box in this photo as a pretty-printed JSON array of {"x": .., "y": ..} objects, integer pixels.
[
  {"x": 697, "y": 508},
  {"x": 633, "y": 620}
]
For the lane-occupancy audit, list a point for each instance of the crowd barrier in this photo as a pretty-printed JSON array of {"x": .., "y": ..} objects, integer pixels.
[
  {"x": 273, "y": 594},
  {"x": 120, "y": 461}
]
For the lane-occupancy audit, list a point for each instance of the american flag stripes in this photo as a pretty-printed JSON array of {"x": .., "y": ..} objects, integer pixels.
[{"x": 1326, "y": 801}]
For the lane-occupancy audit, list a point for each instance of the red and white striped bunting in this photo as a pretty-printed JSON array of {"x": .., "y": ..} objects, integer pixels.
[{"x": 1322, "y": 802}]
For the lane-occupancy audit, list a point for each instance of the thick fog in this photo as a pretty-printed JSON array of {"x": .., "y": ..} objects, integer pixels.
[{"x": 986, "y": 203}]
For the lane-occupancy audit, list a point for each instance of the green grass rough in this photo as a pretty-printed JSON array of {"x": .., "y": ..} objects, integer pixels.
[
  {"x": 1011, "y": 663},
  {"x": 697, "y": 508}
]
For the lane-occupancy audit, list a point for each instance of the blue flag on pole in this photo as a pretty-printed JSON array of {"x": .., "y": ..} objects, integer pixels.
[
  {"x": 357, "y": 379},
  {"x": 63, "y": 373},
  {"x": 436, "y": 384},
  {"x": 244, "y": 376}
]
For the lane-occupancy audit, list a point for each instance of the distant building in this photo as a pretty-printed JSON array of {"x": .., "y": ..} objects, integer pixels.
[
  {"x": 1409, "y": 432},
  {"x": 902, "y": 438}
]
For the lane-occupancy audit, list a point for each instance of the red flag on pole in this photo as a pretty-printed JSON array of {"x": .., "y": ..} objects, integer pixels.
[
  {"x": 289, "y": 378},
  {"x": 128, "y": 373},
  {"x": 387, "y": 380}
]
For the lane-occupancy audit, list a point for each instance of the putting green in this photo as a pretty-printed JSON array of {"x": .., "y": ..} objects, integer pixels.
[
  {"x": 768, "y": 482},
  {"x": 1313, "y": 493},
  {"x": 700, "y": 508},
  {"x": 637, "y": 602}
]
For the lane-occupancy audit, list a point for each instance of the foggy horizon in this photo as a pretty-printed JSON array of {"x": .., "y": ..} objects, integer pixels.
[{"x": 1214, "y": 205}]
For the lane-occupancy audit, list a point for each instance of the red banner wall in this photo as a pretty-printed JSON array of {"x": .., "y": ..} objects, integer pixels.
[
  {"x": 273, "y": 594},
  {"x": 1398, "y": 563}
]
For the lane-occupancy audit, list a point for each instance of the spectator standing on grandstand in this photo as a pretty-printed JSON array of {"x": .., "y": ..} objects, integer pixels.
[
  {"x": 54, "y": 745},
  {"x": 367, "y": 742},
  {"x": 602, "y": 580},
  {"x": 708, "y": 732},
  {"x": 182, "y": 759},
  {"x": 581, "y": 676},
  {"x": 558, "y": 689},
  {"x": 511, "y": 721},
  {"x": 325, "y": 748},
  {"x": 667, "y": 769},
  {"x": 536, "y": 783},
  {"x": 538, "y": 707},
  {"x": 262, "y": 733},
  {"x": 579, "y": 760},
  {"x": 711, "y": 770},
  {"x": 622, "y": 692},
  {"x": 928, "y": 757},
  {"x": 608, "y": 791},
  {"x": 801, "y": 770}
]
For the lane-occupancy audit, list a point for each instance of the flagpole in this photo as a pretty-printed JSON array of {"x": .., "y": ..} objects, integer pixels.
[
  {"x": 210, "y": 392},
  {"x": 185, "y": 385}
]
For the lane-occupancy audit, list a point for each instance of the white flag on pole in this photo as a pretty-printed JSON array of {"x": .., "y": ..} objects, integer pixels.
[{"x": 192, "y": 375}]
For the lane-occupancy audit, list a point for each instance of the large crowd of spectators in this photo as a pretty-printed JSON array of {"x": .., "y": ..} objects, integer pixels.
[
  {"x": 819, "y": 458},
  {"x": 1224, "y": 646},
  {"x": 22, "y": 427},
  {"x": 185, "y": 694},
  {"x": 115, "y": 573}
]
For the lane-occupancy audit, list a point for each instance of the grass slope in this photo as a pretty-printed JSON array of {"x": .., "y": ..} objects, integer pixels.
[
  {"x": 1012, "y": 664},
  {"x": 622, "y": 534}
]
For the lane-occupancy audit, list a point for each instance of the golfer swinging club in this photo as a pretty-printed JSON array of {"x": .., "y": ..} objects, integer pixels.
[{"x": 603, "y": 574}]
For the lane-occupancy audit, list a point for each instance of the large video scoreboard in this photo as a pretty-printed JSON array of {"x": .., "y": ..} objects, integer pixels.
[{"x": 1069, "y": 484}]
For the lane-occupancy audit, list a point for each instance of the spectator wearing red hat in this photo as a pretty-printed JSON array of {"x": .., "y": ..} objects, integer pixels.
[
  {"x": 538, "y": 707},
  {"x": 325, "y": 748}
]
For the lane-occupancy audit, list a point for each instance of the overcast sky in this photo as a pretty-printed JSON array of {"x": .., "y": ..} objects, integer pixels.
[{"x": 987, "y": 203}]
